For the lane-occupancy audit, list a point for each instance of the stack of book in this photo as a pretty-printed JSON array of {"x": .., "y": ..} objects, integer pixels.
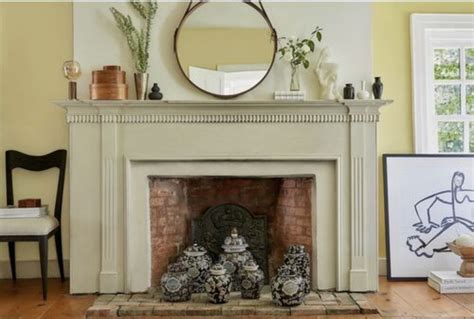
[
  {"x": 30, "y": 212},
  {"x": 449, "y": 282},
  {"x": 289, "y": 95}
]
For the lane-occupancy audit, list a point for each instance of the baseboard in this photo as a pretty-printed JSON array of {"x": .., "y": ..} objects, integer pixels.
[
  {"x": 31, "y": 269},
  {"x": 382, "y": 266}
]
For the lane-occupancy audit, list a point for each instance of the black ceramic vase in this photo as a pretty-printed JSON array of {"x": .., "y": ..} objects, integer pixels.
[
  {"x": 251, "y": 280},
  {"x": 234, "y": 257},
  {"x": 288, "y": 287},
  {"x": 155, "y": 93},
  {"x": 298, "y": 257},
  {"x": 377, "y": 88},
  {"x": 176, "y": 284},
  {"x": 218, "y": 285},
  {"x": 349, "y": 92},
  {"x": 197, "y": 262}
]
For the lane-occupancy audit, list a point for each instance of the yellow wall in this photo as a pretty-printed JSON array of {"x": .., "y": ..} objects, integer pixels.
[
  {"x": 35, "y": 39},
  {"x": 207, "y": 48},
  {"x": 392, "y": 61}
]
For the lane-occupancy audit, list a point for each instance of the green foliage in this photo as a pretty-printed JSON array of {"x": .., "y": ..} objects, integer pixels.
[
  {"x": 138, "y": 40},
  {"x": 451, "y": 137},
  {"x": 470, "y": 64},
  {"x": 447, "y": 99},
  {"x": 296, "y": 50},
  {"x": 471, "y": 141},
  {"x": 446, "y": 64},
  {"x": 470, "y": 99}
]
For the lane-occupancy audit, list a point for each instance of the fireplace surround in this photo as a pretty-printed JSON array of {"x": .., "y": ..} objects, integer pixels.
[{"x": 115, "y": 147}]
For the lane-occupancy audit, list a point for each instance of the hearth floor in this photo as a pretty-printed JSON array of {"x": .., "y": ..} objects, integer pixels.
[{"x": 144, "y": 305}]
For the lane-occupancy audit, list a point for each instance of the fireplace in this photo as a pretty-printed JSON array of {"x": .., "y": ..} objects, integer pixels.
[
  {"x": 122, "y": 152},
  {"x": 285, "y": 202}
]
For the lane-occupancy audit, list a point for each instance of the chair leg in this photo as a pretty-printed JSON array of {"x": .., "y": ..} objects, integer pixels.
[
  {"x": 59, "y": 252},
  {"x": 43, "y": 250},
  {"x": 11, "y": 252}
]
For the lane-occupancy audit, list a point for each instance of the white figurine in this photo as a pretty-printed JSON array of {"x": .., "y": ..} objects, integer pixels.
[{"x": 327, "y": 76}]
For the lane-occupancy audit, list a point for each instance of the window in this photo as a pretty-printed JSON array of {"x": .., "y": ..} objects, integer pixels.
[{"x": 443, "y": 82}]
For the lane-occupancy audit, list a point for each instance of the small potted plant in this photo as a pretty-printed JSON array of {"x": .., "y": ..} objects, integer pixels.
[
  {"x": 295, "y": 51},
  {"x": 138, "y": 40}
]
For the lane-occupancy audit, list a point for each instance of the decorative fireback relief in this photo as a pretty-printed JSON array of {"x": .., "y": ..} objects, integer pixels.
[{"x": 215, "y": 225}]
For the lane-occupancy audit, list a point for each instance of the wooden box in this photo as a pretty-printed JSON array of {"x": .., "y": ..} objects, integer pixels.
[{"x": 109, "y": 84}]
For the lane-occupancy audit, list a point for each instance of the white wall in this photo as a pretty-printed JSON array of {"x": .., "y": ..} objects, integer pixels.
[{"x": 347, "y": 31}]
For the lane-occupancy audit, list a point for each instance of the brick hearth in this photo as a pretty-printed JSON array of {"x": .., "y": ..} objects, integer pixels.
[
  {"x": 151, "y": 304},
  {"x": 174, "y": 202}
]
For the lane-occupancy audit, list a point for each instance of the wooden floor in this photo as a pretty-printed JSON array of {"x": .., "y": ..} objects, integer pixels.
[{"x": 395, "y": 299}]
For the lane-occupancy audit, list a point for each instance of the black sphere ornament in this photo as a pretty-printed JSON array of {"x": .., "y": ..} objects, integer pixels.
[{"x": 155, "y": 93}]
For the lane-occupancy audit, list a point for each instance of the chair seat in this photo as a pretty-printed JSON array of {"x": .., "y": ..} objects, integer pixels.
[{"x": 27, "y": 226}]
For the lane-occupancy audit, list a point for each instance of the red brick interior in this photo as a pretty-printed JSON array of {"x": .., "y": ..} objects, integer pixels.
[{"x": 174, "y": 202}]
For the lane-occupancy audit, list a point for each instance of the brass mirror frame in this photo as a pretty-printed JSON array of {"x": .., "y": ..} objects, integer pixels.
[{"x": 192, "y": 6}]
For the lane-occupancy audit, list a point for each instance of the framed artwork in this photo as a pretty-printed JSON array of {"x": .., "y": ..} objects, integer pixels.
[{"x": 429, "y": 200}]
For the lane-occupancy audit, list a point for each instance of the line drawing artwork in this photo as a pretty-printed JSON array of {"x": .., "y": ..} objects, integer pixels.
[{"x": 442, "y": 217}]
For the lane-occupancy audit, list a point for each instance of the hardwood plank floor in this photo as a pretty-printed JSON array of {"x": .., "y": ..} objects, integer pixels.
[{"x": 394, "y": 299}]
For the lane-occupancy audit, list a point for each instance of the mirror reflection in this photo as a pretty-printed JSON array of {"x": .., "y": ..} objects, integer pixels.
[{"x": 225, "y": 49}]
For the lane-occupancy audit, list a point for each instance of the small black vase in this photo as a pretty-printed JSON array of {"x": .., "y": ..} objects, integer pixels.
[
  {"x": 155, "y": 93},
  {"x": 377, "y": 88},
  {"x": 349, "y": 92}
]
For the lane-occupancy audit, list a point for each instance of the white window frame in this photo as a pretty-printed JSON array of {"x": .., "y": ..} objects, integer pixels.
[{"x": 429, "y": 31}]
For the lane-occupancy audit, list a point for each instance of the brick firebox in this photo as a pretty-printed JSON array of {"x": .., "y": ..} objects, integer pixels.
[{"x": 174, "y": 202}]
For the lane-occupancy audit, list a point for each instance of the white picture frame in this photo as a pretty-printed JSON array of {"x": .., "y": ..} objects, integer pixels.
[{"x": 429, "y": 200}]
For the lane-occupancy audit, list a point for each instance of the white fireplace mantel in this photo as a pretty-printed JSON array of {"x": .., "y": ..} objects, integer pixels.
[{"x": 115, "y": 145}]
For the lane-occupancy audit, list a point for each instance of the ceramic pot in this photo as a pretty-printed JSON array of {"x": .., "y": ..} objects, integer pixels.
[
  {"x": 218, "y": 285},
  {"x": 288, "y": 287},
  {"x": 377, "y": 88},
  {"x": 298, "y": 257},
  {"x": 198, "y": 263},
  {"x": 234, "y": 257},
  {"x": 363, "y": 94},
  {"x": 176, "y": 284},
  {"x": 349, "y": 92},
  {"x": 251, "y": 280}
]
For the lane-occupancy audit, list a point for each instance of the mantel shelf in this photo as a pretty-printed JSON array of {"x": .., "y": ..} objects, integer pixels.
[
  {"x": 223, "y": 103},
  {"x": 242, "y": 111}
]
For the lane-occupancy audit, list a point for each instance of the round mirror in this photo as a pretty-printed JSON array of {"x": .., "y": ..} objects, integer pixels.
[{"x": 225, "y": 48}]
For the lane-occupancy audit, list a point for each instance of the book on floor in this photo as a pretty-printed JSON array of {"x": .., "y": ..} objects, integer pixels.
[{"x": 450, "y": 282}]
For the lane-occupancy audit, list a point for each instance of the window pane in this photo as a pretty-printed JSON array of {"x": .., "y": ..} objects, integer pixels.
[
  {"x": 448, "y": 99},
  {"x": 450, "y": 137},
  {"x": 446, "y": 64},
  {"x": 471, "y": 141},
  {"x": 470, "y": 99},
  {"x": 470, "y": 64}
]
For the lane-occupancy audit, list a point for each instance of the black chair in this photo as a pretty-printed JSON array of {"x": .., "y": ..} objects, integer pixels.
[{"x": 35, "y": 229}]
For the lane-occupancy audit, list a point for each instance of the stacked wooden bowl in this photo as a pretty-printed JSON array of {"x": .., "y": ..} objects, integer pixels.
[{"x": 109, "y": 84}]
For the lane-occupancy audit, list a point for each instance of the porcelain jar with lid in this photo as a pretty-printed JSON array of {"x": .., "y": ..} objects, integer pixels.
[
  {"x": 234, "y": 257},
  {"x": 288, "y": 287},
  {"x": 218, "y": 285},
  {"x": 251, "y": 280},
  {"x": 197, "y": 262},
  {"x": 176, "y": 284},
  {"x": 297, "y": 256}
]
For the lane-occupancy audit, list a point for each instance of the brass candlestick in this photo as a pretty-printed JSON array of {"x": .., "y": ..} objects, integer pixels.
[{"x": 72, "y": 71}]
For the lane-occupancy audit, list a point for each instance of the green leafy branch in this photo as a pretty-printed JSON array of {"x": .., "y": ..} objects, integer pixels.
[
  {"x": 138, "y": 41},
  {"x": 296, "y": 51}
]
